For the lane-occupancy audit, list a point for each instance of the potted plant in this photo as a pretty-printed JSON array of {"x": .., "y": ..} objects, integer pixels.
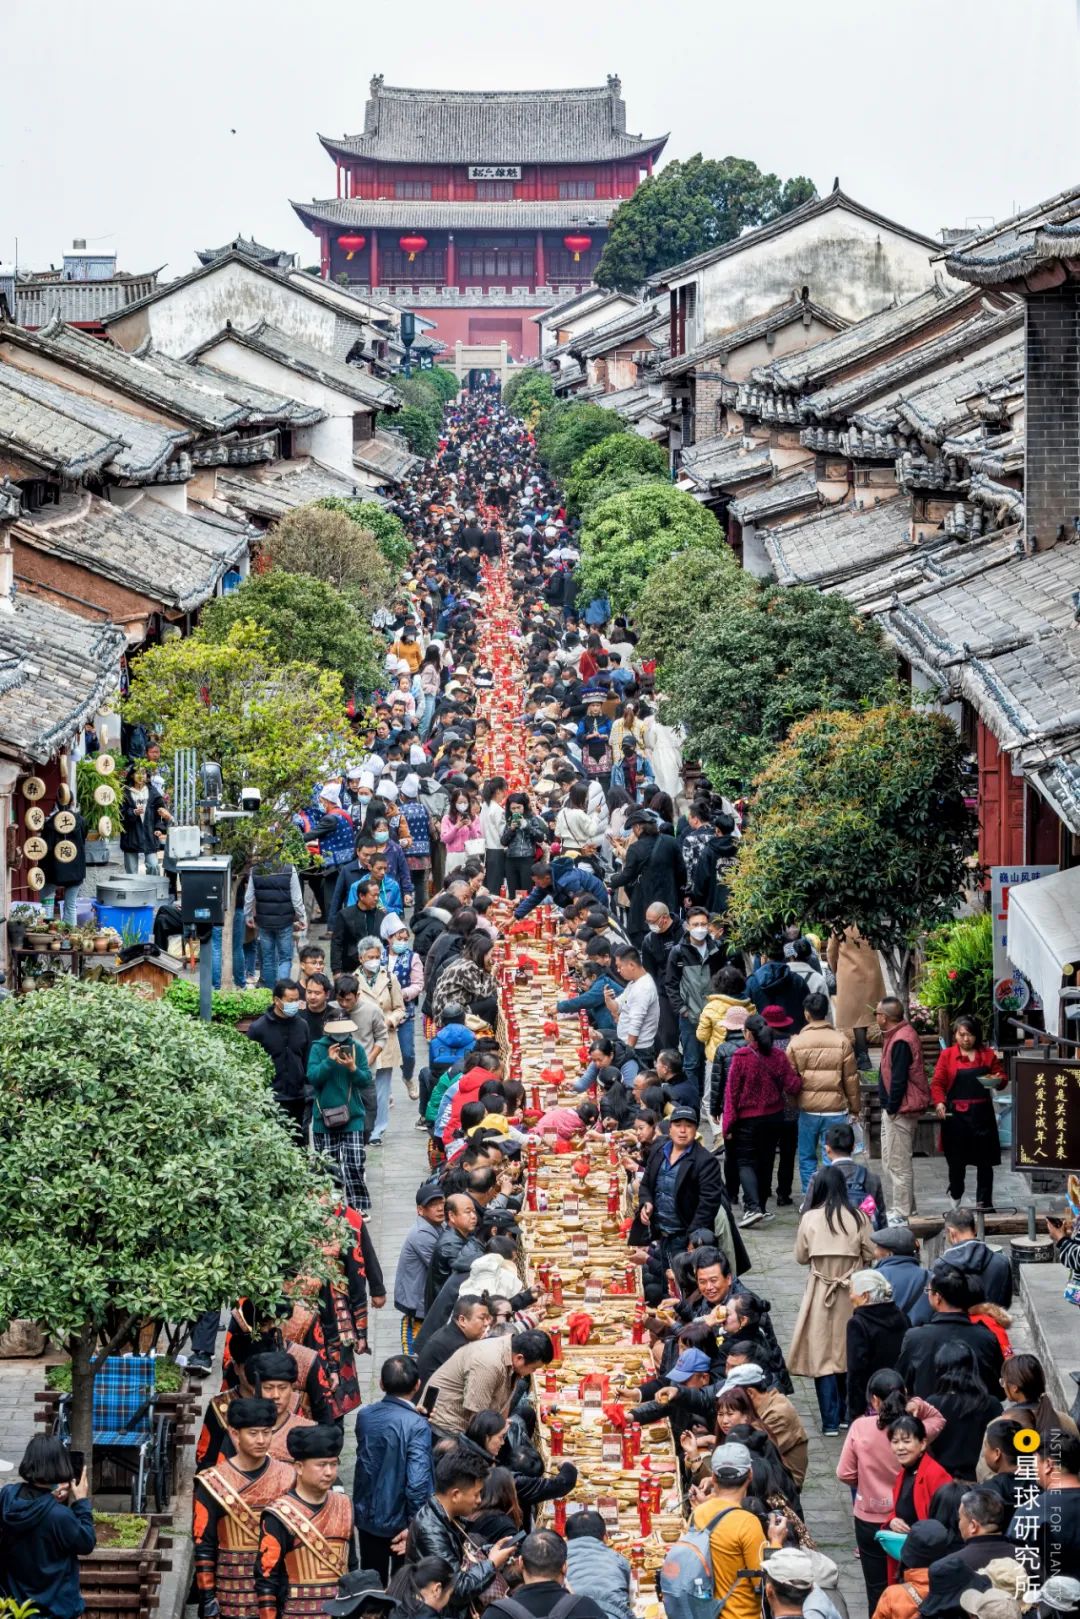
[
  {"x": 20, "y": 918},
  {"x": 121, "y": 1577}
]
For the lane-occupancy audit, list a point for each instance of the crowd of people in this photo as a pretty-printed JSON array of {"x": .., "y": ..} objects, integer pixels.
[{"x": 718, "y": 1075}]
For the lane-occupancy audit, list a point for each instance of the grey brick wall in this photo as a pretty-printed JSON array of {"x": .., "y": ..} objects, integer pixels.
[{"x": 1052, "y": 473}]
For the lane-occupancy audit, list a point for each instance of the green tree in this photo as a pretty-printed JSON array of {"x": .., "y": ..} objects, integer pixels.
[
  {"x": 422, "y": 393},
  {"x": 764, "y": 659},
  {"x": 330, "y": 546},
  {"x": 630, "y": 534},
  {"x": 569, "y": 429},
  {"x": 621, "y": 452},
  {"x": 678, "y": 596},
  {"x": 421, "y": 433},
  {"x": 616, "y": 483},
  {"x": 148, "y": 1174},
  {"x": 306, "y": 621},
  {"x": 529, "y": 393},
  {"x": 272, "y": 725},
  {"x": 858, "y": 821},
  {"x": 442, "y": 378},
  {"x": 388, "y": 529},
  {"x": 688, "y": 208}
]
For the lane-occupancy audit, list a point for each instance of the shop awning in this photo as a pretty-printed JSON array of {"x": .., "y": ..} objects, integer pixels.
[{"x": 1043, "y": 936}]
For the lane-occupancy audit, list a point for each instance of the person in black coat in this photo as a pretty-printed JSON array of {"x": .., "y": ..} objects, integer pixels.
[
  {"x": 653, "y": 873},
  {"x": 469, "y": 1320},
  {"x": 697, "y": 1189},
  {"x": 949, "y": 1292},
  {"x": 355, "y": 923},
  {"x": 875, "y": 1332},
  {"x": 286, "y": 1039}
]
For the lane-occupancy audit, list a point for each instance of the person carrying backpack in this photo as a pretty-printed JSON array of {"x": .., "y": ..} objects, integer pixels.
[
  {"x": 542, "y": 1593},
  {"x": 864, "y": 1190},
  {"x": 716, "y": 1566}
]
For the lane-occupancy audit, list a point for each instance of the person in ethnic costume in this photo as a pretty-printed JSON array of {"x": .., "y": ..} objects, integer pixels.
[
  {"x": 227, "y": 1508},
  {"x": 296, "y": 1328},
  {"x": 306, "y": 1540},
  {"x": 272, "y": 1376},
  {"x": 343, "y": 1309}
]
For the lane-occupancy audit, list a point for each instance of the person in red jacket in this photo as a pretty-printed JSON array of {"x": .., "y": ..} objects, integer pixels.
[
  {"x": 919, "y": 1476},
  {"x": 468, "y": 1091},
  {"x": 965, "y": 1074}
]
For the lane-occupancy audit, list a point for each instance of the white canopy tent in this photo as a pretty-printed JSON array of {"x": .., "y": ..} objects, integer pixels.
[{"x": 1043, "y": 937}]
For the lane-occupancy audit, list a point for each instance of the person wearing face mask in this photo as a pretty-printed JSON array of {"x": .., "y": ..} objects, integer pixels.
[
  {"x": 687, "y": 977},
  {"x": 344, "y": 1105},
  {"x": 380, "y": 988},
  {"x": 286, "y": 1038},
  {"x": 461, "y": 828},
  {"x": 407, "y": 968}
]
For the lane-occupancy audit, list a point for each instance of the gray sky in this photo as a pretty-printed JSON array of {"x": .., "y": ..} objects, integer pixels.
[{"x": 117, "y": 123}]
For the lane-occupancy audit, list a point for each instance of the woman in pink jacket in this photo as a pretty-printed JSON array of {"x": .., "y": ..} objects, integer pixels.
[
  {"x": 868, "y": 1464},
  {"x": 460, "y": 825}
]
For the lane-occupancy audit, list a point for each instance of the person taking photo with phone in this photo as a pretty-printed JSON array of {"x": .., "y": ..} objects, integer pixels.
[{"x": 46, "y": 1525}]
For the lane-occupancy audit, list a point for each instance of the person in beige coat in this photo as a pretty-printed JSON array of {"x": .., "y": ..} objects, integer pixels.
[
  {"x": 834, "y": 1240},
  {"x": 380, "y": 989},
  {"x": 859, "y": 987},
  {"x": 824, "y": 1059}
]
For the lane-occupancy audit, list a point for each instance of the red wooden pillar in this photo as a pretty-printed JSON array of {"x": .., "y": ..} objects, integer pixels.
[
  {"x": 324, "y": 266},
  {"x": 540, "y": 268},
  {"x": 374, "y": 258},
  {"x": 451, "y": 261},
  {"x": 648, "y": 164},
  {"x": 337, "y": 172}
]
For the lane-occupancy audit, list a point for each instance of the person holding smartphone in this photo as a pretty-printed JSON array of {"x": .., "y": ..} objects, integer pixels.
[{"x": 46, "y": 1525}]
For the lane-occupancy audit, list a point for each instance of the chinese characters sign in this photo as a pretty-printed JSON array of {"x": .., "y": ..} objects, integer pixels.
[
  {"x": 1046, "y": 1113},
  {"x": 494, "y": 171},
  {"x": 1012, "y": 992}
]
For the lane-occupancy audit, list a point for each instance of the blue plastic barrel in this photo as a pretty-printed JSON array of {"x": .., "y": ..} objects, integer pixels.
[{"x": 138, "y": 920}]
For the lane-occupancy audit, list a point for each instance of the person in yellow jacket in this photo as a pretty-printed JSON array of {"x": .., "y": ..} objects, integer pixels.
[{"x": 726, "y": 989}]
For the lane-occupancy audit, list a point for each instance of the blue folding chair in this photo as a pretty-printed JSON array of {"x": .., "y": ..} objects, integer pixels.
[{"x": 129, "y": 1431}]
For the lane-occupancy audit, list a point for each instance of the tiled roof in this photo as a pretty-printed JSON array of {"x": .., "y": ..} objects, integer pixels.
[
  {"x": 810, "y": 369},
  {"x": 310, "y": 362},
  {"x": 842, "y": 399},
  {"x": 176, "y": 394},
  {"x": 1022, "y": 245},
  {"x": 780, "y": 226},
  {"x": 56, "y": 670},
  {"x": 275, "y": 257},
  {"x": 752, "y": 331},
  {"x": 172, "y": 557},
  {"x": 632, "y": 403},
  {"x": 837, "y": 542},
  {"x": 921, "y": 570},
  {"x": 38, "y": 302},
  {"x": 263, "y": 404},
  {"x": 386, "y": 455},
  {"x": 566, "y": 306},
  {"x": 562, "y": 381},
  {"x": 944, "y": 404},
  {"x": 274, "y": 491},
  {"x": 722, "y": 462},
  {"x": 140, "y": 451},
  {"x": 780, "y": 494},
  {"x": 388, "y": 213},
  {"x": 494, "y": 126},
  {"x": 646, "y": 319},
  {"x": 10, "y": 500},
  {"x": 1007, "y": 639}
]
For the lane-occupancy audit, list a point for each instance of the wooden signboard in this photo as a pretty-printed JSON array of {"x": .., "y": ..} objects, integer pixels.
[{"x": 1046, "y": 1113}]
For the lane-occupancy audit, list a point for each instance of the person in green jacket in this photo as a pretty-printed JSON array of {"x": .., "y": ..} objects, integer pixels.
[{"x": 344, "y": 1103}]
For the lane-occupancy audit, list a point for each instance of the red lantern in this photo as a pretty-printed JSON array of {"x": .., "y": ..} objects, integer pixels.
[
  {"x": 351, "y": 244},
  {"x": 577, "y": 245},
  {"x": 412, "y": 245}
]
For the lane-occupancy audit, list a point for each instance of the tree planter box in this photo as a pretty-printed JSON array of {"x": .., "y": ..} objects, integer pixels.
[{"x": 122, "y": 1582}]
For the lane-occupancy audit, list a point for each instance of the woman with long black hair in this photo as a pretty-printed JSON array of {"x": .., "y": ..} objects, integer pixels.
[
  {"x": 522, "y": 835},
  {"x": 833, "y": 1239},
  {"x": 968, "y": 1408},
  {"x": 759, "y": 1077}
]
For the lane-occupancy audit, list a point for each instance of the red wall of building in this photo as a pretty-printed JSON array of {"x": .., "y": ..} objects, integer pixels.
[
  {"x": 453, "y": 184},
  {"x": 487, "y": 325},
  {"x": 1001, "y": 805}
]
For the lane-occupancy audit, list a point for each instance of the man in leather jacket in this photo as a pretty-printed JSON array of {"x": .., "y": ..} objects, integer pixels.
[{"x": 437, "y": 1529}]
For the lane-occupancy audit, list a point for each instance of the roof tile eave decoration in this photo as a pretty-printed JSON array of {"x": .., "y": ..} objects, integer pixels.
[
  {"x": 405, "y": 125},
  {"x": 296, "y": 355},
  {"x": 840, "y": 541},
  {"x": 168, "y": 556},
  {"x": 60, "y": 668},
  {"x": 779, "y": 226},
  {"x": 1022, "y": 245},
  {"x": 385, "y": 455},
  {"x": 779, "y": 495},
  {"x": 389, "y": 213},
  {"x": 141, "y": 451},
  {"x": 724, "y": 461}
]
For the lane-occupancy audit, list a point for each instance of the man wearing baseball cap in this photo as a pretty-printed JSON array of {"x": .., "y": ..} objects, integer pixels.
[
  {"x": 1059, "y": 1595},
  {"x": 789, "y": 1580},
  {"x": 691, "y": 1370},
  {"x": 410, "y": 1279},
  {"x": 734, "y": 1533}
]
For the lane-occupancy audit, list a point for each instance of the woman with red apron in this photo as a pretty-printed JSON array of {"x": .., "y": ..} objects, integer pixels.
[{"x": 966, "y": 1074}]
